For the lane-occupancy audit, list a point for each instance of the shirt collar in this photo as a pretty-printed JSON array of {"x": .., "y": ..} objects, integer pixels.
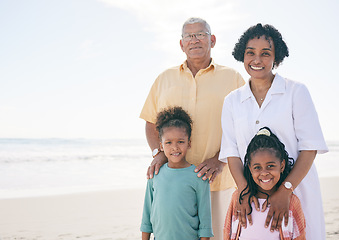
[
  {"x": 278, "y": 87},
  {"x": 212, "y": 66}
]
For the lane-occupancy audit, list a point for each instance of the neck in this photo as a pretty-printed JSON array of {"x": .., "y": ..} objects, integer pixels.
[
  {"x": 181, "y": 164},
  {"x": 261, "y": 192},
  {"x": 260, "y": 85},
  {"x": 196, "y": 64}
]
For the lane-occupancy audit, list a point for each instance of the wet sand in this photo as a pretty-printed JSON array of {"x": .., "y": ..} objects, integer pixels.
[{"x": 106, "y": 215}]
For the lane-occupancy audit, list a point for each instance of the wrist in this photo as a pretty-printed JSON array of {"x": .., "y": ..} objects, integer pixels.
[
  {"x": 288, "y": 186},
  {"x": 155, "y": 152}
]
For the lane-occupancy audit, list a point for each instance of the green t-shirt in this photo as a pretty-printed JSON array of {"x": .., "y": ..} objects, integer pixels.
[{"x": 177, "y": 205}]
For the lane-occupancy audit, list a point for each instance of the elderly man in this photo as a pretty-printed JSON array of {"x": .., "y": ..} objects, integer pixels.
[{"x": 199, "y": 86}]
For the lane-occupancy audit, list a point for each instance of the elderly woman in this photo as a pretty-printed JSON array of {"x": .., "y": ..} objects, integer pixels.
[{"x": 284, "y": 106}]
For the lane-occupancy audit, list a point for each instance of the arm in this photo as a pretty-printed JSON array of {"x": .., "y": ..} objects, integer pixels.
[
  {"x": 280, "y": 200},
  {"x": 203, "y": 196},
  {"x": 210, "y": 168},
  {"x": 229, "y": 152},
  {"x": 146, "y": 225},
  {"x": 308, "y": 132},
  {"x": 145, "y": 236},
  {"x": 152, "y": 136},
  {"x": 237, "y": 171}
]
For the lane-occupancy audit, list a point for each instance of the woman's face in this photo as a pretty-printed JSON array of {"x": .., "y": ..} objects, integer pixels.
[{"x": 259, "y": 58}]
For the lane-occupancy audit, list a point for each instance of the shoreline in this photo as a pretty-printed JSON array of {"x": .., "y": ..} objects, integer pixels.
[{"x": 106, "y": 214}]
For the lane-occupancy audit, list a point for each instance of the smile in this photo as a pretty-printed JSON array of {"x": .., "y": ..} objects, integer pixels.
[
  {"x": 265, "y": 181},
  {"x": 256, "y": 68},
  {"x": 194, "y": 48}
]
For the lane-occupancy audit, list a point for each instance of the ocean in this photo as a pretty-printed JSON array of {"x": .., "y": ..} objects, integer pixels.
[{"x": 36, "y": 167}]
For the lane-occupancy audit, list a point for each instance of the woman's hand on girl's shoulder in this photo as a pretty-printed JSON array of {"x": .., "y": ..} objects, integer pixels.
[
  {"x": 279, "y": 203},
  {"x": 243, "y": 210}
]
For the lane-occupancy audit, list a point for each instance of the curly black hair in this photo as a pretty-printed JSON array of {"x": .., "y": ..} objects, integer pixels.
[
  {"x": 174, "y": 117},
  {"x": 262, "y": 142},
  {"x": 270, "y": 32}
]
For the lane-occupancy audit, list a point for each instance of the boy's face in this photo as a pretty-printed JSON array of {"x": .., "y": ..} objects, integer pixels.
[
  {"x": 266, "y": 169},
  {"x": 175, "y": 143}
]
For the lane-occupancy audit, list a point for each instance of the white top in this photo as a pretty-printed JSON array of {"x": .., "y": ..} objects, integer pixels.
[
  {"x": 289, "y": 112},
  {"x": 257, "y": 231}
]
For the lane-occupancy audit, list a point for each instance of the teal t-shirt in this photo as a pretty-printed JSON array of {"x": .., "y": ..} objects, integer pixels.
[{"x": 177, "y": 205}]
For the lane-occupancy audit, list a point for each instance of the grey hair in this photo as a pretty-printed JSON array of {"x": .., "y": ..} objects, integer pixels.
[{"x": 196, "y": 20}]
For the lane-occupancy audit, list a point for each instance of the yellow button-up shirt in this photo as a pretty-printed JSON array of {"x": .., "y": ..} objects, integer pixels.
[{"x": 202, "y": 97}]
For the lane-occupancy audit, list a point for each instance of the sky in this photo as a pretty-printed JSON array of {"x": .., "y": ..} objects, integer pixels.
[{"x": 83, "y": 68}]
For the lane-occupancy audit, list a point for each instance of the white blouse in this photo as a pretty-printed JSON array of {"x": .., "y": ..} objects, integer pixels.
[{"x": 289, "y": 112}]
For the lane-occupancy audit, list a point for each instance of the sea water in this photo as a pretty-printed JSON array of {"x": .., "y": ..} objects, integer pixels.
[
  {"x": 35, "y": 167},
  {"x": 56, "y": 166}
]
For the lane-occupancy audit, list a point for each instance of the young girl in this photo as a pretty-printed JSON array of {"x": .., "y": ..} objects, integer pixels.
[
  {"x": 177, "y": 202},
  {"x": 266, "y": 166}
]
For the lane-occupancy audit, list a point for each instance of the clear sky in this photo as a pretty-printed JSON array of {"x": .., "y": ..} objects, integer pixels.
[{"x": 83, "y": 68}]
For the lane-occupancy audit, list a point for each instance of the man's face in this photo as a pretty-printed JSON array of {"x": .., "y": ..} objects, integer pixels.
[{"x": 194, "y": 48}]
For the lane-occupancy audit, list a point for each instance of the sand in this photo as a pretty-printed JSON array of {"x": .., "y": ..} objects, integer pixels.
[
  {"x": 105, "y": 215},
  {"x": 94, "y": 215}
]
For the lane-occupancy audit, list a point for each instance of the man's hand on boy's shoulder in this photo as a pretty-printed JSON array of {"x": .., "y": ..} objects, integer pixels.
[{"x": 210, "y": 168}]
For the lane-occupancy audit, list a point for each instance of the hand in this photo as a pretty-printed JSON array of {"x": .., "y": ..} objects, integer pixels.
[
  {"x": 210, "y": 168},
  {"x": 242, "y": 210},
  {"x": 279, "y": 207},
  {"x": 157, "y": 162}
]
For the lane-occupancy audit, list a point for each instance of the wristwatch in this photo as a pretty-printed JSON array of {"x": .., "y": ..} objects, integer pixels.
[
  {"x": 155, "y": 152},
  {"x": 288, "y": 185}
]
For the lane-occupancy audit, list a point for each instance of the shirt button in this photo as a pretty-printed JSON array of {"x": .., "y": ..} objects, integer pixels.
[{"x": 257, "y": 122}]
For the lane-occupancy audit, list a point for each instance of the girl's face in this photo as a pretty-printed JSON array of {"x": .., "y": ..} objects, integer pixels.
[
  {"x": 175, "y": 143},
  {"x": 266, "y": 169},
  {"x": 259, "y": 58}
]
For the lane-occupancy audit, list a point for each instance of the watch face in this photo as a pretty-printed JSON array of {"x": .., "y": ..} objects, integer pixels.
[
  {"x": 155, "y": 151},
  {"x": 288, "y": 185}
]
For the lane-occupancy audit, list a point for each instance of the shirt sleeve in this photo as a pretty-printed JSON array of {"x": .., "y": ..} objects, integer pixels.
[
  {"x": 230, "y": 221},
  {"x": 146, "y": 225},
  {"x": 299, "y": 223},
  {"x": 149, "y": 110},
  {"x": 307, "y": 127},
  {"x": 228, "y": 146},
  {"x": 204, "y": 209}
]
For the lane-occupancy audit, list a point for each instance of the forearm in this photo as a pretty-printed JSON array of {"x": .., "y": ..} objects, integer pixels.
[
  {"x": 205, "y": 238},
  {"x": 301, "y": 167},
  {"x": 237, "y": 170},
  {"x": 160, "y": 159},
  {"x": 145, "y": 236},
  {"x": 280, "y": 200},
  {"x": 152, "y": 135}
]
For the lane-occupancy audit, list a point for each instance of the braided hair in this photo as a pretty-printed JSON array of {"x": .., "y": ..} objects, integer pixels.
[
  {"x": 264, "y": 140},
  {"x": 174, "y": 117}
]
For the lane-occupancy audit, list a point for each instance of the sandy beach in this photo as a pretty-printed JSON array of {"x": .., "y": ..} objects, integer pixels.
[{"x": 105, "y": 215}]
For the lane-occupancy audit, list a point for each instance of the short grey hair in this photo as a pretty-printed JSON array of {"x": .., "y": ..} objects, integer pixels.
[{"x": 196, "y": 20}]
